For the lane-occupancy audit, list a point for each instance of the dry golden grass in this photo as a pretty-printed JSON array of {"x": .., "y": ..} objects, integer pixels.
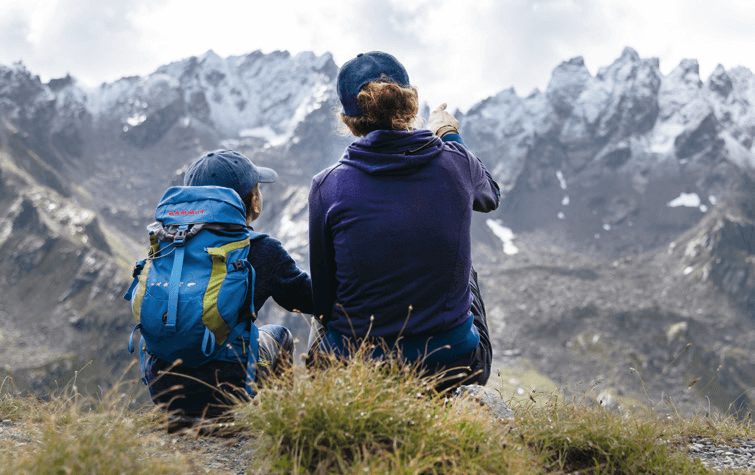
[{"x": 364, "y": 417}]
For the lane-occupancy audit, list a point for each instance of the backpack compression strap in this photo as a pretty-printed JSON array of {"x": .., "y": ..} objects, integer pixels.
[{"x": 175, "y": 277}]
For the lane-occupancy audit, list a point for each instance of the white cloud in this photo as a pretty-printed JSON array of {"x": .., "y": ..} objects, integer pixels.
[{"x": 457, "y": 52}]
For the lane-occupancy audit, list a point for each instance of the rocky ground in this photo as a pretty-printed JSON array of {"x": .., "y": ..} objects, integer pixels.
[
  {"x": 636, "y": 327},
  {"x": 739, "y": 454},
  {"x": 232, "y": 455}
]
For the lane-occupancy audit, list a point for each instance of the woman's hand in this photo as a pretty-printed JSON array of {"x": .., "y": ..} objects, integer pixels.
[{"x": 441, "y": 122}]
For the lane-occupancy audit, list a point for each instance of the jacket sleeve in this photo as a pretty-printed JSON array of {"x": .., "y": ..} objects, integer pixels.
[
  {"x": 487, "y": 193},
  {"x": 291, "y": 287},
  {"x": 321, "y": 255}
]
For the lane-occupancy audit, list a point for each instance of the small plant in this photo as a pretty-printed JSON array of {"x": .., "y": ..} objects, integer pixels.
[
  {"x": 583, "y": 436},
  {"x": 72, "y": 433},
  {"x": 12, "y": 407},
  {"x": 375, "y": 417}
]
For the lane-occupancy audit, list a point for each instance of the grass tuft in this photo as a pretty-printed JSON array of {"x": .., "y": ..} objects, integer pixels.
[
  {"x": 584, "y": 437},
  {"x": 72, "y": 433},
  {"x": 364, "y": 417},
  {"x": 374, "y": 417},
  {"x": 11, "y": 406}
]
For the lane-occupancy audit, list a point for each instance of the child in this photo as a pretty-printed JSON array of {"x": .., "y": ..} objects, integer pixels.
[{"x": 201, "y": 391}]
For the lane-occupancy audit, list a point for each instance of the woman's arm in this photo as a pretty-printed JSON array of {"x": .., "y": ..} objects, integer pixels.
[{"x": 487, "y": 193}]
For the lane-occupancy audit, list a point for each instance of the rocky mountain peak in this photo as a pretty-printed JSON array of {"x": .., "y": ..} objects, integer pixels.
[
  {"x": 17, "y": 87},
  {"x": 632, "y": 75},
  {"x": 210, "y": 58},
  {"x": 597, "y": 151},
  {"x": 262, "y": 95},
  {"x": 688, "y": 72},
  {"x": 567, "y": 83},
  {"x": 622, "y": 68},
  {"x": 720, "y": 82}
]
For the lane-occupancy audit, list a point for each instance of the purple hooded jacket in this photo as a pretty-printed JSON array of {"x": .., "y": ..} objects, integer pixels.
[{"x": 389, "y": 228}]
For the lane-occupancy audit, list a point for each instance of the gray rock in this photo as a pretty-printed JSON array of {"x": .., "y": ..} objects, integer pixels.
[
  {"x": 486, "y": 397},
  {"x": 723, "y": 457}
]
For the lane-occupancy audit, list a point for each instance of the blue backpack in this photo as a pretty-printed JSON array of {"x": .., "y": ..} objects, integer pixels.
[{"x": 193, "y": 295}]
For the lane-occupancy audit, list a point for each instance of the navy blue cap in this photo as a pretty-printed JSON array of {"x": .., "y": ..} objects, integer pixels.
[
  {"x": 366, "y": 68},
  {"x": 229, "y": 169}
]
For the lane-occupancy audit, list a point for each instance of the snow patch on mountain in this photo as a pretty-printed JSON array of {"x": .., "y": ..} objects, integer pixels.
[
  {"x": 505, "y": 234},
  {"x": 266, "y": 133},
  {"x": 688, "y": 200},
  {"x": 561, "y": 179},
  {"x": 661, "y": 139},
  {"x": 293, "y": 221}
]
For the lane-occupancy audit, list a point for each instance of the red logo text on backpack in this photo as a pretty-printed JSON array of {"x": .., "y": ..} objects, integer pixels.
[{"x": 176, "y": 213}]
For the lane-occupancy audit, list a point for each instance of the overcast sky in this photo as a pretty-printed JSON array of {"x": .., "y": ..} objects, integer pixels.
[{"x": 455, "y": 51}]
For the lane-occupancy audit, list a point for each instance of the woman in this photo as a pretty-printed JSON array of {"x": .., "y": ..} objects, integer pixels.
[
  {"x": 390, "y": 225},
  {"x": 201, "y": 391}
]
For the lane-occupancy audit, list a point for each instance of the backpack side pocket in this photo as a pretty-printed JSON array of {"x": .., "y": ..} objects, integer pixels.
[{"x": 220, "y": 280}]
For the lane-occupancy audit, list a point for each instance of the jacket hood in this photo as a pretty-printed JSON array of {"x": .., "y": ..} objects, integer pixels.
[{"x": 393, "y": 152}]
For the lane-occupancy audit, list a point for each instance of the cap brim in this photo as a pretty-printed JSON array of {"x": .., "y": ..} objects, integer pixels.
[{"x": 267, "y": 175}]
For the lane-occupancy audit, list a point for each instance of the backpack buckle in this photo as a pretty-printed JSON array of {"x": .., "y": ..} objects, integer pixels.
[
  {"x": 238, "y": 265},
  {"x": 180, "y": 237},
  {"x": 138, "y": 267}
]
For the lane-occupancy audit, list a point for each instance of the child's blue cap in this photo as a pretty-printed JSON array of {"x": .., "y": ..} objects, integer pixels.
[{"x": 229, "y": 169}]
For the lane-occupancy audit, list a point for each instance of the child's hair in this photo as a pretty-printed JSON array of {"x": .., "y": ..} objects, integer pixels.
[
  {"x": 386, "y": 106},
  {"x": 247, "y": 200}
]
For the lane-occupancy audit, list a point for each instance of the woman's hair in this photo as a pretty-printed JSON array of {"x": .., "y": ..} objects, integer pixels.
[{"x": 386, "y": 106}]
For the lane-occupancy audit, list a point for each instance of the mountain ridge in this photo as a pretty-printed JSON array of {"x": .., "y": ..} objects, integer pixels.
[{"x": 596, "y": 171}]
